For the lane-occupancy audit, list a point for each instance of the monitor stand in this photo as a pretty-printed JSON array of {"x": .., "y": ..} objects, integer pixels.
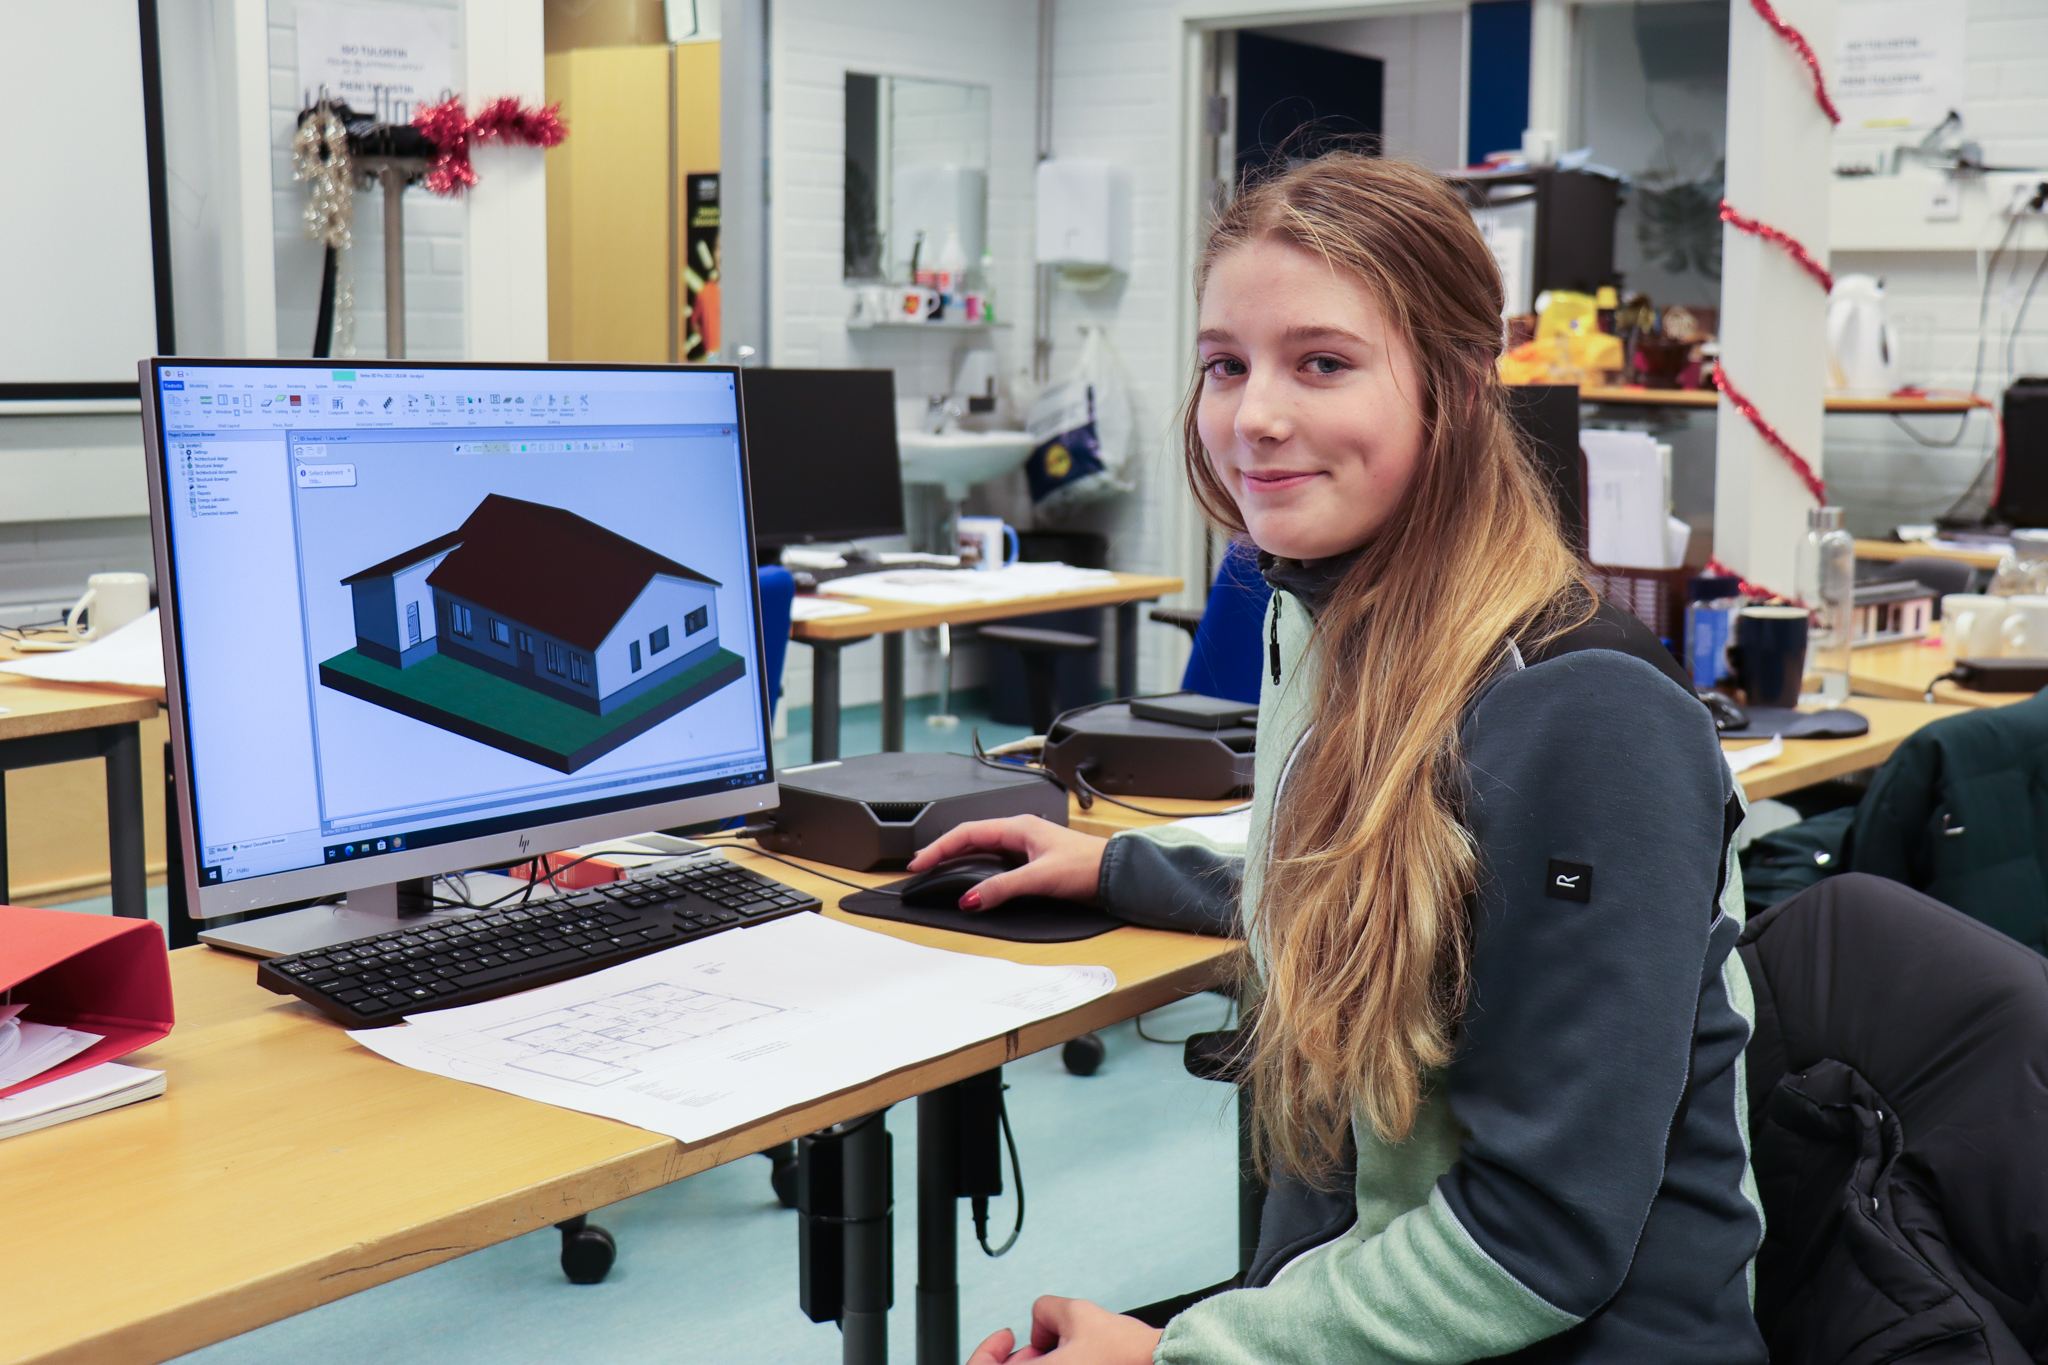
[{"x": 371, "y": 910}]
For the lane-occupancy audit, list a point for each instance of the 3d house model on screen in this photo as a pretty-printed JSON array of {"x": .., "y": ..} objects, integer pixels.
[{"x": 532, "y": 630}]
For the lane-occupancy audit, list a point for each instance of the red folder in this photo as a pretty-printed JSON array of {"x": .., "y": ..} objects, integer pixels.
[{"x": 89, "y": 972}]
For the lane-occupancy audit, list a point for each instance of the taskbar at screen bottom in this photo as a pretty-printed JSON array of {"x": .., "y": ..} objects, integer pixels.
[{"x": 376, "y": 845}]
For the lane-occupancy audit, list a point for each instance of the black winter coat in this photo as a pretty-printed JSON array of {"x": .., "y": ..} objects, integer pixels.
[{"x": 1898, "y": 1086}]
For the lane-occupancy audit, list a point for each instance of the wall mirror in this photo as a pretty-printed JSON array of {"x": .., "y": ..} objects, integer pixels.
[{"x": 916, "y": 174}]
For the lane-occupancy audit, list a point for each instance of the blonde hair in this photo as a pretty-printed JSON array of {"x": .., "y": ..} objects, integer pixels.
[{"x": 1362, "y": 923}]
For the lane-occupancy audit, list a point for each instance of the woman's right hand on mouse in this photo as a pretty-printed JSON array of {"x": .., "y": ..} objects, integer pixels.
[{"x": 1064, "y": 863}]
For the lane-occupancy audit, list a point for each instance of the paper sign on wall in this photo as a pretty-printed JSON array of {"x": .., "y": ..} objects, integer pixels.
[
  {"x": 1898, "y": 63},
  {"x": 387, "y": 63}
]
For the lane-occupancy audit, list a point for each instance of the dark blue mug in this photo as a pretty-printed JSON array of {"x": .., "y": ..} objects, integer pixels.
[{"x": 1770, "y": 654}]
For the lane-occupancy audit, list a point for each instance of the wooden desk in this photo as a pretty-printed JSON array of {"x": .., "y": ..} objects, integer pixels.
[
  {"x": 1807, "y": 761},
  {"x": 890, "y": 619},
  {"x": 1903, "y": 671},
  {"x": 288, "y": 1167},
  {"x": 1708, "y": 398},
  {"x": 1891, "y": 551},
  {"x": 54, "y": 722},
  {"x": 1804, "y": 762}
]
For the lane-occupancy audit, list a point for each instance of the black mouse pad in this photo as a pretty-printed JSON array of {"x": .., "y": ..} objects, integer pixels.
[
  {"x": 1028, "y": 919},
  {"x": 1765, "y": 721}
]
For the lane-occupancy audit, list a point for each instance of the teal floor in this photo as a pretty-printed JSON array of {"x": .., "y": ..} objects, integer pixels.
[{"x": 1129, "y": 1176}]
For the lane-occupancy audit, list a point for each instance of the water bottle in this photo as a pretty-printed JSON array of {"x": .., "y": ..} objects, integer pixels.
[{"x": 1827, "y": 586}]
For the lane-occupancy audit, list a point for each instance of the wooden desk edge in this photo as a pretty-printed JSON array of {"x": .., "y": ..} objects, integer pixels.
[
  {"x": 659, "y": 1161},
  {"x": 885, "y": 617}
]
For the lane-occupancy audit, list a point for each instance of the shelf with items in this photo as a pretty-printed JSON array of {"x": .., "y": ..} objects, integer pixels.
[
  {"x": 925, "y": 325},
  {"x": 1707, "y": 398}
]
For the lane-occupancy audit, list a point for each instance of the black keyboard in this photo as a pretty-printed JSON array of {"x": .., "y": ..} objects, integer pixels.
[{"x": 459, "y": 961}]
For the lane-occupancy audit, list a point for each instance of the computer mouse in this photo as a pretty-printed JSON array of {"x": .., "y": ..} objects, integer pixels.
[
  {"x": 1727, "y": 715},
  {"x": 940, "y": 886}
]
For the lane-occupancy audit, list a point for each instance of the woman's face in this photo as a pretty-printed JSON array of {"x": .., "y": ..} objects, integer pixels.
[{"x": 1310, "y": 406}]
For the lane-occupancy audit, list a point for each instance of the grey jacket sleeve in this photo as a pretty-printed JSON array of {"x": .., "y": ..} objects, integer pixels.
[
  {"x": 1170, "y": 877},
  {"x": 1597, "y": 799}
]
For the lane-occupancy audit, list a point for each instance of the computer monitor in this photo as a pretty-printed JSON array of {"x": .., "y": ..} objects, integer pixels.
[
  {"x": 426, "y": 617},
  {"x": 823, "y": 448}
]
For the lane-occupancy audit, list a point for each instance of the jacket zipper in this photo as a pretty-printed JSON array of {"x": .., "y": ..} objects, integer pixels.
[{"x": 1273, "y": 648}]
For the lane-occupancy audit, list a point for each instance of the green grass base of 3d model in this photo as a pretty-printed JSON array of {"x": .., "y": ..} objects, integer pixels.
[{"x": 477, "y": 705}]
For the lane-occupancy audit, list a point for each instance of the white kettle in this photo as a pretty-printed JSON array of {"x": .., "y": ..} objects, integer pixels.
[{"x": 1863, "y": 348}]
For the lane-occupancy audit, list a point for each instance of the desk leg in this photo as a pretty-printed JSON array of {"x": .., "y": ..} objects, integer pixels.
[
  {"x": 122, "y": 747},
  {"x": 870, "y": 1245},
  {"x": 1127, "y": 649},
  {"x": 938, "y": 1227},
  {"x": 825, "y": 699},
  {"x": 5, "y": 899},
  {"x": 892, "y": 692}
]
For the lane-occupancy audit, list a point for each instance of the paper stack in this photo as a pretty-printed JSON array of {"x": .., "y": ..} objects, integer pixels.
[{"x": 92, "y": 1091}]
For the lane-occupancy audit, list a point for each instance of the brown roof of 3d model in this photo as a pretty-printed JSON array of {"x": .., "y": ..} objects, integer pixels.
[{"x": 543, "y": 567}]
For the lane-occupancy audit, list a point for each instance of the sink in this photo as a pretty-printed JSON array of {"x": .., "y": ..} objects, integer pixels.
[{"x": 957, "y": 460}]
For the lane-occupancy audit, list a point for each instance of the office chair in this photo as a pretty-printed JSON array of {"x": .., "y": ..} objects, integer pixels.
[
  {"x": 1896, "y": 1100},
  {"x": 1225, "y": 632}
]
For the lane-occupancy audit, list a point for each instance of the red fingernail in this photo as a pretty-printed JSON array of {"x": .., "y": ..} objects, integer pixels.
[{"x": 971, "y": 901}]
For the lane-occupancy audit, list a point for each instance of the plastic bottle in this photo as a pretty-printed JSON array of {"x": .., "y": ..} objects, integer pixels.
[
  {"x": 952, "y": 274},
  {"x": 1827, "y": 585},
  {"x": 988, "y": 288}
]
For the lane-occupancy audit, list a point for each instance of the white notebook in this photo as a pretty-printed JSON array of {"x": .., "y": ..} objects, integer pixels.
[{"x": 91, "y": 1091}]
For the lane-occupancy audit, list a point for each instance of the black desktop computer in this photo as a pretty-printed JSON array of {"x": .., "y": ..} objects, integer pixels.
[
  {"x": 822, "y": 447},
  {"x": 425, "y": 617},
  {"x": 2021, "y": 498}
]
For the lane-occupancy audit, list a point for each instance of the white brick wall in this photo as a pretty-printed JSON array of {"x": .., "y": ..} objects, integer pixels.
[
  {"x": 1873, "y": 468},
  {"x": 434, "y": 227},
  {"x": 812, "y": 45}
]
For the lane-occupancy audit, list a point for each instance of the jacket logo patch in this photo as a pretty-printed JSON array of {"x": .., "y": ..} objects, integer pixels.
[{"x": 1569, "y": 882}]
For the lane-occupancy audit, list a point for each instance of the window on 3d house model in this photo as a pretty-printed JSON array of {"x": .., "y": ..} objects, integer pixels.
[
  {"x": 557, "y": 659},
  {"x": 579, "y": 668},
  {"x": 525, "y": 643},
  {"x": 696, "y": 620},
  {"x": 658, "y": 641},
  {"x": 458, "y": 620},
  {"x": 501, "y": 634},
  {"x": 633, "y": 654}
]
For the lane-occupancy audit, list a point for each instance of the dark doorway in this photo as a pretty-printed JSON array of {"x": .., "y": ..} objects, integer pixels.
[{"x": 1284, "y": 87}]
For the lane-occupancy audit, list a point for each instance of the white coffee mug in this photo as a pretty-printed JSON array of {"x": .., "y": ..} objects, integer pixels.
[
  {"x": 2025, "y": 627},
  {"x": 989, "y": 542},
  {"x": 111, "y": 601},
  {"x": 915, "y": 303},
  {"x": 1970, "y": 625}
]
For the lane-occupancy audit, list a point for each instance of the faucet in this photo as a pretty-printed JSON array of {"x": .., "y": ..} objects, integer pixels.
[{"x": 941, "y": 411}]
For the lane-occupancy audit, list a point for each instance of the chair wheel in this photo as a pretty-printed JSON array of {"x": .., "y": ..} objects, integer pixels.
[
  {"x": 1083, "y": 1055},
  {"x": 782, "y": 1175},
  {"x": 587, "y": 1252}
]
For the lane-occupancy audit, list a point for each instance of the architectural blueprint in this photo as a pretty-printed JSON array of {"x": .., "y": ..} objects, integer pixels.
[{"x": 708, "y": 1036}]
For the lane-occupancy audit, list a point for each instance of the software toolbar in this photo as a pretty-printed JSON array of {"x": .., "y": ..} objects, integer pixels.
[{"x": 258, "y": 398}]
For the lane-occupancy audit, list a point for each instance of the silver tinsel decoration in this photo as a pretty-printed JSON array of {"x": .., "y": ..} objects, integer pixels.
[{"x": 320, "y": 156}]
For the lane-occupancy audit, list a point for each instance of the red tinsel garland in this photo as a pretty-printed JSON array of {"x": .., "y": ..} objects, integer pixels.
[
  {"x": 1756, "y": 228},
  {"x": 1755, "y": 592},
  {"x": 1770, "y": 434},
  {"x": 1805, "y": 50},
  {"x": 502, "y": 120}
]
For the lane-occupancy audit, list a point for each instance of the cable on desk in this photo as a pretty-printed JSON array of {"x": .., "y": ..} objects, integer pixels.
[
  {"x": 980, "y": 1201},
  {"x": 1938, "y": 678},
  {"x": 788, "y": 862},
  {"x": 1081, "y": 777}
]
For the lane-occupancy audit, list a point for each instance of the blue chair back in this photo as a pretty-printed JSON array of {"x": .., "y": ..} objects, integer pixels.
[
  {"x": 778, "y": 590},
  {"x": 1227, "y": 655}
]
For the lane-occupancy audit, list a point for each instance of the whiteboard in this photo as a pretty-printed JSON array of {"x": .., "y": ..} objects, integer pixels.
[{"x": 77, "y": 282}]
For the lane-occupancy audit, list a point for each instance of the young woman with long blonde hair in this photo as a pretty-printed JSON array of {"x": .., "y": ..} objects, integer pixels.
[{"x": 1495, "y": 1025}]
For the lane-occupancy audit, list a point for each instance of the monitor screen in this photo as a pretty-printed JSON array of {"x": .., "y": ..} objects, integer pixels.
[
  {"x": 420, "y": 617},
  {"x": 823, "y": 448}
]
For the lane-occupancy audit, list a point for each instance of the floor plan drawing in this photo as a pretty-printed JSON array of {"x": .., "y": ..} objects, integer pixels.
[{"x": 612, "y": 1038}]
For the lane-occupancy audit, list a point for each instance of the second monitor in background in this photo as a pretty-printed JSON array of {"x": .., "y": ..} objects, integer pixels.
[{"x": 822, "y": 444}]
